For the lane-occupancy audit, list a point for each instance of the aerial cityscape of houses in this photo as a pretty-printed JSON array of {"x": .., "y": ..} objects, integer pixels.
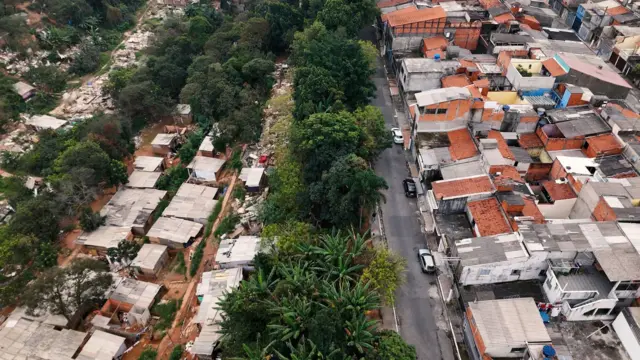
[{"x": 521, "y": 118}]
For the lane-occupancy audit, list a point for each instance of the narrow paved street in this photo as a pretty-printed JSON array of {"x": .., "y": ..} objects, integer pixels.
[{"x": 417, "y": 300}]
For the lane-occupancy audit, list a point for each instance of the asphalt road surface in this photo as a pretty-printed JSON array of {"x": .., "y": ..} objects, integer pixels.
[{"x": 417, "y": 301}]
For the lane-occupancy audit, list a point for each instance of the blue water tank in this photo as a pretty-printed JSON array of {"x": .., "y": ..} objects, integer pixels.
[
  {"x": 506, "y": 108},
  {"x": 436, "y": 57},
  {"x": 548, "y": 351}
]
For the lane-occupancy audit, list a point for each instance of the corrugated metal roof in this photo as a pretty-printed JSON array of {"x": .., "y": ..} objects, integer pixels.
[
  {"x": 149, "y": 255},
  {"x": 174, "y": 230},
  {"x": 143, "y": 179},
  {"x": 147, "y": 163},
  {"x": 436, "y": 96},
  {"x": 509, "y": 322},
  {"x": 101, "y": 346},
  {"x": 164, "y": 139}
]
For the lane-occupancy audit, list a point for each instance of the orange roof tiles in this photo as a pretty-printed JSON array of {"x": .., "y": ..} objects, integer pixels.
[
  {"x": 506, "y": 171},
  {"x": 488, "y": 217},
  {"x": 618, "y": 10},
  {"x": 531, "y": 209},
  {"x": 558, "y": 191},
  {"x": 431, "y": 54},
  {"x": 459, "y": 80},
  {"x": 502, "y": 144},
  {"x": 530, "y": 140},
  {"x": 603, "y": 143},
  {"x": 482, "y": 83},
  {"x": 412, "y": 15},
  {"x": 462, "y": 187},
  {"x": 626, "y": 112},
  {"x": 506, "y": 17},
  {"x": 462, "y": 145},
  {"x": 475, "y": 92},
  {"x": 553, "y": 67},
  {"x": 435, "y": 42},
  {"x": 390, "y": 3}
]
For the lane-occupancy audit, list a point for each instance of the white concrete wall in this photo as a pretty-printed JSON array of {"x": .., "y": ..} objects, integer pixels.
[
  {"x": 520, "y": 82},
  {"x": 503, "y": 271},
  {"x": 440, "y": 126},
  {"x": 577, "y": 314},
  {"x": 558, "y": 210},
  {"x": 627, "y": 337},
  {"x": 554, "y": 292}
]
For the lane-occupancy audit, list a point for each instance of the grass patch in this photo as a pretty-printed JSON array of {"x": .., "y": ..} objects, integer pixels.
[
  {"x": 236, "y": 160},
  {"x": 160, "y": 209},
  {"x": 172, "y": 180},
  {"x": 105, "y": 59},
  {"x": 176, "y": 353},
  {"x": 197, "y": 258},
  {"x": 166, "y": 311},
  {"x": 227, "y": 224},
  {"x": 212, "y": 218},
  {"x": 180, "y": 267},
  {"x": 148, "y": 353},
  {"x": 239, "y": 193}
]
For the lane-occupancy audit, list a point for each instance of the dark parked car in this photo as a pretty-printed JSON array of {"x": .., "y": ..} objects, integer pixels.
[{"x": 409, "y": 187}]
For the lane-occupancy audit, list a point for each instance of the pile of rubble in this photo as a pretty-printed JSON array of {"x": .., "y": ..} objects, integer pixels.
[
  {"x": 86, "y": 100},
  {"x": 127, "y": 56},
  {"x": 17, "y": 65},
  {"x": 18, "y": 141},
  {"x": 271, "y": 114}
]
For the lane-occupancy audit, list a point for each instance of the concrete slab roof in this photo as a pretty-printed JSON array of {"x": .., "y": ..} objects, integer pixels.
[
  {"x": 149, "y": 255},
  {"x": 147, "y": 163},
  {"x": 237, "y": 252},
  {"x": 490, "y": 249},
  {"x": 46, "y": 122},
  {"x": 101, "y": 346},
  {"x": 143, "y": 179},
  {"x": 174, "y": 229},
  {"x": 164, "y": 139}
]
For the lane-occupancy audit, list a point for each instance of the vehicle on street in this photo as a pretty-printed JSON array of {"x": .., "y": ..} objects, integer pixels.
[
  {"x": 397, "y": 136},
  {"x": 427, "y": 262},
  {"x": 409, "y": 186}
]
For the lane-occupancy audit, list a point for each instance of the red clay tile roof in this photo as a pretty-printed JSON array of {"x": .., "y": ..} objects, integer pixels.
[
  {"x": 462, "y": 145},
  {"x": 390, "y": 3},
  {"x": 553, "y": 67},
  {"x": 506, "y": 171},
  {"x": 435, "y": 42},
  {"x": 506, "y": 17},
  {"x": 558, "y": 191},
  {"x": 604, "y": 143},
  {"x": 431, "y": 54},
  {"x": 618, "y": 10},
  {"x": 475, "y": 92},
  {"x": 412, "y": 15},
  {"x": 530, "y": 140},
  {"x": 459, "y": 80},
  {"x": 531, "y": 209},
  {"x": 462, "y": 187},
  {"x": 488, "y": 217},
  {"x": 502, "y": 144},
  {"x": 482, "y": 83}
]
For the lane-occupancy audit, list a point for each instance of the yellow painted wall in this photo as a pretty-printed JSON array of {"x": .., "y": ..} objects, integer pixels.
[{"x": 505, "y": 97}]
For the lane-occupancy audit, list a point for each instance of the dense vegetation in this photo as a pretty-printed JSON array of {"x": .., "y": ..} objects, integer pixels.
[{"x": 311, "y": 303}]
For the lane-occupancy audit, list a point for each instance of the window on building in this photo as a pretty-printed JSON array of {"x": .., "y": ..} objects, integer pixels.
[
  {"x": 602, "y": 311},
  {"x": 628, "y": 287},
  {"x": 543, "y": 273},
  {"x": 515, "y": 272},
  {"x": 589, "y": 313},
  {"x": 430, "y": 111},
  {"x": 518, "y": 349},
  {"x": 484, "y": 272}
]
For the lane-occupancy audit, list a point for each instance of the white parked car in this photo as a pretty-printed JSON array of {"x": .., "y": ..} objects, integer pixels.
[
  {"x": 397, "y": 136},
  {"x": 427, "y": 262}
]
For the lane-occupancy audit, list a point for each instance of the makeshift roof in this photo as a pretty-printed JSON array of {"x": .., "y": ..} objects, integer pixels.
[
  {"x": 22, "y": 88},
  {"x": 412, "y": 15},
  {"x": 207, "y": 144},
  {"x": 238, "y": 251},
  {"x": 212, "y": 286},
  {"x": 205, "y": 167},
  {"x": 174, "y": 229},
  {"x": 22, "y": 338},
  {"x": 182, "y": 109},
  {"x": 101, "y": 346},
  {"x": 422, "y": 65},
  {"x": 448, "y": 189},
  {"x": 490, "y": 249},
  {"x": 509, "y": 323},
  {"x": 130, "y": 207},
  {"x": 143, "y": 179},
  {"x": 583, "y": 126},
  {"x": 104, "y": 237},
  {"x": 135, "y": 292},
  {"x": 252, "y": 176},
  {"x": 436, "y": 96},
  {"x": 488, "y": 217},
  {"x": 604, "y": 143},
  {"x": 197, "y": 191},
  {"x": 46, "y": 122},
  {"x": 147, "y": 163},
  {"x": 149, "y": 255},
  {"x": 601, "y": 73},
  {"x": 164, "y": 139},
  {"x": 190, "y": 208}
]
